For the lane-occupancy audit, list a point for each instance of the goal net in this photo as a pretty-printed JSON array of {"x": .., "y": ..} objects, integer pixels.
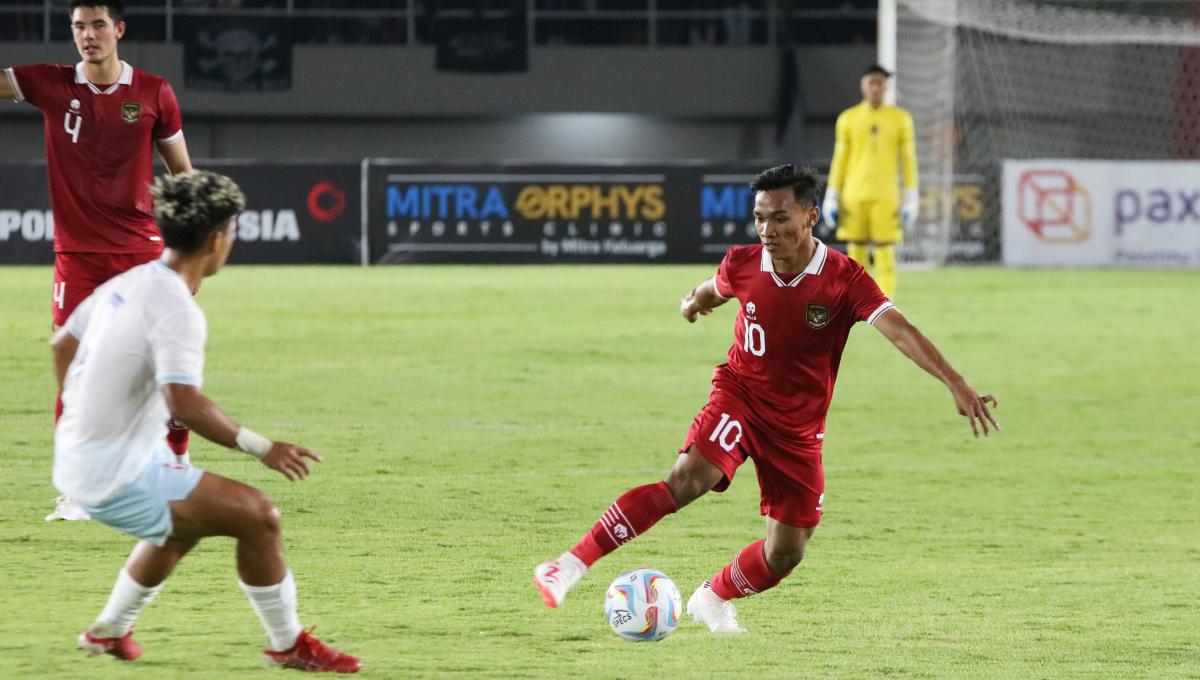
[{"x": 989, "y": 80}]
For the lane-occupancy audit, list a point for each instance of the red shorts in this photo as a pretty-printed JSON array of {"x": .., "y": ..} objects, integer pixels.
[
  {"x": 76, "y": 275},
  {"x": 791, "y": 480}
]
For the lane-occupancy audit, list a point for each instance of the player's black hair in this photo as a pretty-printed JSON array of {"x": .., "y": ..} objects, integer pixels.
[
  {"x": 191, "y": 206},
  {"x": 876, "y": 68},
  {"x": 116, "y": 8},
  {"x": 806, "y": 188}
]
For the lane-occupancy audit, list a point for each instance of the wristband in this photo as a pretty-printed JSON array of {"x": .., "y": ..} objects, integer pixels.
[{"x": 252, "y": 443}]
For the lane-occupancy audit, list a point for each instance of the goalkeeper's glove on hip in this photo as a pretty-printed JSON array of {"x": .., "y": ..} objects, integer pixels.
[
  {"x": 910, "y": 208},
  {"x": 829, "y": 209}
]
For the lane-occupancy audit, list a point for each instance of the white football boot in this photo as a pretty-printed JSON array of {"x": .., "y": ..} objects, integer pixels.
[
  {"x": 553, "y": 579},
  {"x": 65, "y": 508},
  {"x": 719, "y": 615}
]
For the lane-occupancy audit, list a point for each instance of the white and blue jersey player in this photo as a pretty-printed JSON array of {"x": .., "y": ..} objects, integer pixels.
[
  {"x": 131, "y": 356},
  {"x": 138, "y": 333}
]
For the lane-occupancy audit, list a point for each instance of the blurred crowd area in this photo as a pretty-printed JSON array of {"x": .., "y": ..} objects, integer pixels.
[{"x": 553, "y": 22}]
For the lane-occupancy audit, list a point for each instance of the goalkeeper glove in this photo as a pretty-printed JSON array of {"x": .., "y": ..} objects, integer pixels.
[
  {"x": 910, "y": 209},
  {"x": 830, "y": 207}
]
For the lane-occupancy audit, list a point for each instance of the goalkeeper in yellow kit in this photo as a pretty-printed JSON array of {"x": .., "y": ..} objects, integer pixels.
[{"x": 862, "y": 198}]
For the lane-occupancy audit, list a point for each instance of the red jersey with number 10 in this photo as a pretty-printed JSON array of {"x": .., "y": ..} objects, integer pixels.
[
  {"x": 789, "y": 335},
  {"x": 99, "y": 153}
]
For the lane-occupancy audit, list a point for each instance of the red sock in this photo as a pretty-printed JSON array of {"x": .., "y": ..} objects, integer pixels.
[
  {"x": 631, "y": 514},
  {"x": 58, "y": 407},
  {"x": 177, "y": 437},
  {"x": 746, "y": 575}
]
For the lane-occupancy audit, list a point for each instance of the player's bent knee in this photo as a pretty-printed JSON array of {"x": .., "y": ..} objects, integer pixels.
[
  {"x": 784, "y": 559},
  {"x": 263, "y": 515},
  {"x": 784, "y": 547},
  {"x": 685, "y": 489},
  {"x": 692, "y": 477}
]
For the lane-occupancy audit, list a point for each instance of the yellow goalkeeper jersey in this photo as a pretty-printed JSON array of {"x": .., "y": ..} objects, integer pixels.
[{"x": 870, "y": 145}]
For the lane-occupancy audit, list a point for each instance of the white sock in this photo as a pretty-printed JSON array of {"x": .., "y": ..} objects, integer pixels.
[
  {"x": 276, "y": 608},
  {"x": 183, "y": 459},
  {"x": 127, "y": 600}
]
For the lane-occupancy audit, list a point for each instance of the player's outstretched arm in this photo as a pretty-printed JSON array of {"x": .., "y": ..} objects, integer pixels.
[
  {"x": 189, "y": 405},
  {"x": 701, "y": 301},
  {"x": 923, "y": 353}
]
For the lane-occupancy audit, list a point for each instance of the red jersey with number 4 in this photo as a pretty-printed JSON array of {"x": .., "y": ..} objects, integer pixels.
[
  {"x": 789, "y": 335},
  {"x": 99, "y": 153}
]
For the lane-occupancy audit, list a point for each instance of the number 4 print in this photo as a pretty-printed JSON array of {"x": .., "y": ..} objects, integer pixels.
[{"x": 73, "y": 129}]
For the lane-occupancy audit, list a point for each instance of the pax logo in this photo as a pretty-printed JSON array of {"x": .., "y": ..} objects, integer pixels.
[{"x": 1055, "y": 207}]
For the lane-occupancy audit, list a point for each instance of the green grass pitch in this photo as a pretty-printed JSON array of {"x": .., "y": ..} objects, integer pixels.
[{"x": 476, "y": 421}]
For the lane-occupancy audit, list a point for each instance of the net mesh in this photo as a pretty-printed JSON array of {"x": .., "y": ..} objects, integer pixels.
[{"x": 987, "y": 80}]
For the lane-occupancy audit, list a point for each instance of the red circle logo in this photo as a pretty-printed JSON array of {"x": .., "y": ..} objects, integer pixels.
[{"x": 326, "y": 202}]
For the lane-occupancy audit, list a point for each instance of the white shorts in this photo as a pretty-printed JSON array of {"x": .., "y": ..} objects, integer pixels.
[{"x": 141, "y": 509}]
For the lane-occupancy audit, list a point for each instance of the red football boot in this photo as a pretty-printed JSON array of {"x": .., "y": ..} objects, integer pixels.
[
  {"x": 310, "y": 654},
  {"x": 123, "y": 648}
]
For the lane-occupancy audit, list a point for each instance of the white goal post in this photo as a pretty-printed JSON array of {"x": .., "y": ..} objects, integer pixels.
[{"x": 987, "y": 80}]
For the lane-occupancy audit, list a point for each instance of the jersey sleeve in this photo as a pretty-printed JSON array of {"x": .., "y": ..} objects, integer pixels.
[
  {"x": 169, "y": 126},
  {"x": 841, "y": 152},
  {"x": 722, "y": 282},
  {"x": 866, "y": 301},
  {"x": 30, "y": 83},
  {"x": 177, "y": 345},
  {"x": 78, "y": 321}
]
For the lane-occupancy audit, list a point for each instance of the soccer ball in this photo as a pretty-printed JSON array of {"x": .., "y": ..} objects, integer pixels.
[{"x": 642, "y": 605}]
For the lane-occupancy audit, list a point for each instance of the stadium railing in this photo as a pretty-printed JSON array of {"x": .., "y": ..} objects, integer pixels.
[{"x": 649, "y": 23}]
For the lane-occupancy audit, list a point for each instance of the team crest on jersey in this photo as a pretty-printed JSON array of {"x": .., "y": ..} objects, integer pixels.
[
  {"x": 818, "y": 315},
  {"x": 131, "y": 112}
]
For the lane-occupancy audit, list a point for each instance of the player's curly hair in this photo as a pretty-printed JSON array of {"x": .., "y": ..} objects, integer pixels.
[
  {"x": 191, "y": 206},
  {"x": 804, "y": 183},
  {"x": 116, "y": 8}
]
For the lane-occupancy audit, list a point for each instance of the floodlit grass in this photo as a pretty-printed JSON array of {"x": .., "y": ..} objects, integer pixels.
[{"x": 475, "y": 421}]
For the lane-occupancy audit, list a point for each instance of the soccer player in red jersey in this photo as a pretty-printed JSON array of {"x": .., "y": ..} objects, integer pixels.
[
  {"x": 103, "y": 118},
  {"x": 799, "y": 300}
]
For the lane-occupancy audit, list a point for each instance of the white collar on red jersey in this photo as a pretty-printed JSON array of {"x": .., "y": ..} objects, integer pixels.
[
  {"x": 815, "y": 265},
  {"x": 125, "y": 79}
]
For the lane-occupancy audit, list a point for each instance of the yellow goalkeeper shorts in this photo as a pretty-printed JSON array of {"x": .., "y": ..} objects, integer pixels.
[{"x": 870, "y": 221}]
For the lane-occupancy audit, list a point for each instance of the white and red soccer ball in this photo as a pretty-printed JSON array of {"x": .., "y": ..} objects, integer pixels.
[{"x": 642, "y": 605}]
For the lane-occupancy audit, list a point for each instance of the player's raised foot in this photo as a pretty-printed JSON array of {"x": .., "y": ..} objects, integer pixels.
[
  {"x": 123, "y": 647},
  {"x": 312, "y": 655},
  {"x": 65, "y": 508},
  {"x": 554, "y": 578},
  {"x": 719, "y": 615}
]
